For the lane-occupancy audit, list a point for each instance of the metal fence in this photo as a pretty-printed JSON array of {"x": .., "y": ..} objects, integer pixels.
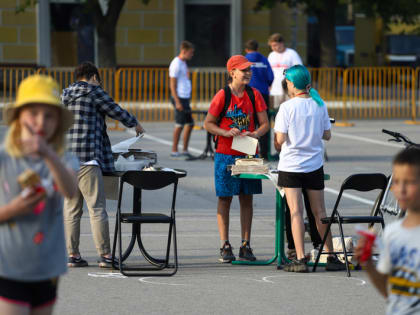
[{"x": 352, "y": 93}]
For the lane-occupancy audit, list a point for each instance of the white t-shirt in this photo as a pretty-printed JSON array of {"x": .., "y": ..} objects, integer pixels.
[
  {"x": 400, "y": 260},
  {"x": 304, "y": 122},
  {"x": 279, "y": 62},
  {"x": 178, "y": 69}
]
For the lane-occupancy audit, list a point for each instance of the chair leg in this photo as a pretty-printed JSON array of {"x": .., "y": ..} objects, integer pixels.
[
  {"x": 168, "y": 247},
  {"x": 322, "y": 246},
  {"x": 120, "y": 247},
  {"x": 344, "y": 248},
  {"x": 175, "y": 249}
]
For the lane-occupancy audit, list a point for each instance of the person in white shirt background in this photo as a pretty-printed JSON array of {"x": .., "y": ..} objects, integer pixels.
[
  {"x": 280, "y": 59},
  {"x": 180, "y": 86}
]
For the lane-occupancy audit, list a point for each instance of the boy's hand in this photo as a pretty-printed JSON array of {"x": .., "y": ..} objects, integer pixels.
[
  {"x": 26, "y": 204},
  {"x": 232, "y": 133},
  {"x": 139, "y": 129},
  {"x": 178, "y": 105},
  {"x": 359, "y": 249},
  {"x": 36, "y": 144}
]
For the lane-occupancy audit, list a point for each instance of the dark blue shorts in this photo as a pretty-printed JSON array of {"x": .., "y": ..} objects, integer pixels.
[
  {"x": 183, "y": 117},
  {"x": 227, "y": 185},
  {"x": 31, "y": 294}
]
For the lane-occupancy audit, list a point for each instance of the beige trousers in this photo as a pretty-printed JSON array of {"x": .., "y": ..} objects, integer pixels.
[
  {"x": 276, "y": 100},
  {"x": 91, "y": 189}
]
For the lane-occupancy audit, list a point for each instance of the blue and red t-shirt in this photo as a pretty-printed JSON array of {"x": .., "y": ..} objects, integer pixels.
[{"x": 240, "y": 114}]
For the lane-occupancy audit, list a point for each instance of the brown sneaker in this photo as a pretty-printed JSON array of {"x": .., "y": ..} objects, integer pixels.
[
  {"x": 291, "y": 254},
  {"x": 296, "y": 265}
]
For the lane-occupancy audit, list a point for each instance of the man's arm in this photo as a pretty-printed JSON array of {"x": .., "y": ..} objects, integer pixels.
[
  {"x": 327, "y": 134},
  {"x": 172, "y": 86},
  {"x": 107, "y": 106}
]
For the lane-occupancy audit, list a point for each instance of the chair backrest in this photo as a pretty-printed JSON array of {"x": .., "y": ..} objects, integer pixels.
[
  {"x": 149, "y": 180},
  {"x": 365, "y": 182}
]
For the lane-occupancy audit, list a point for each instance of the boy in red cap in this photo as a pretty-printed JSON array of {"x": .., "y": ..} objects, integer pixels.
[{"x": 226, "y": 122}]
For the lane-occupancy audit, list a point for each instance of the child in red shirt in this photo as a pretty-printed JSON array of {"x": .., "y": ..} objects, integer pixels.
[{"x": 237, "y": 121}]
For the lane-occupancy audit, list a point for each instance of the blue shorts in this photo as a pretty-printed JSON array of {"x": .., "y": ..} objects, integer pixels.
[{"x": 227, "y": 185}]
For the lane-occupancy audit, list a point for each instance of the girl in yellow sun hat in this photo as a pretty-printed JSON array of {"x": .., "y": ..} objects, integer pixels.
[{"x": 35, "y": 174}]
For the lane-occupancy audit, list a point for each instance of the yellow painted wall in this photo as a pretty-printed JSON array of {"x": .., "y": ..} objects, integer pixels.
[
  {"x": 17, "y": 34},
  {"x": 255, "y": 25},
  {"x": 260, "y": 25},
  {"x": 289, "y": 23},
  {"x": 145, "y": 33}
]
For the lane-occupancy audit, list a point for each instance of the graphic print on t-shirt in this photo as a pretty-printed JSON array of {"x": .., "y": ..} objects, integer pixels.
[
  {"x": 239, "y": 119},
  {"x": 404, "y": 278}
]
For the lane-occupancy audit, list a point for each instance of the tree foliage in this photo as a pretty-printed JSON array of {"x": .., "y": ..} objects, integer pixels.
[{"x": 405, "y": 11}]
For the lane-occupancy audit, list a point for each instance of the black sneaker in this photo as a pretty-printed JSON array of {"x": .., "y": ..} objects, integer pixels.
[
  {"x": 334, "y": 264},
  {"x": 76, "y": 262},
  {"x": 245, "y": 253},
  {"x": 105, "y": 262},
  {"x": 226, "y": 254},
  {"x": 296, "y": 265}
]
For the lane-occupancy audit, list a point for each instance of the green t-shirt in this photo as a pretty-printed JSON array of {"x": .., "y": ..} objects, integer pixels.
[{"x": 32, "y": 246}]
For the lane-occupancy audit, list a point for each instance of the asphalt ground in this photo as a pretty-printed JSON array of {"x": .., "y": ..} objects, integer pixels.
[{"x": 204, "y": 286}]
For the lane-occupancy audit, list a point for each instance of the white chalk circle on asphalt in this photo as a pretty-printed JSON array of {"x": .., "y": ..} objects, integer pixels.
[
  {"x": 109, "y": 275},
  {"x": 358, "y": 281},
  {"x": 273, "y": 279}
]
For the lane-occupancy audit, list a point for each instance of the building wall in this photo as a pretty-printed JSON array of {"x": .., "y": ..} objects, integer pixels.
[
  {"x": 17, "y": 34},
  {"x": 145, "y": 33},
  {"x": 281, "y": 19},
  {"x": 256, "y": 25},
  {"x": 292, "y": 24}
]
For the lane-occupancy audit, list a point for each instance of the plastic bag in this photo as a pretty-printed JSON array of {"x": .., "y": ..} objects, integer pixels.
[
  {"x": 123, "y": 146},
  {"x": 130, "y": 164}
]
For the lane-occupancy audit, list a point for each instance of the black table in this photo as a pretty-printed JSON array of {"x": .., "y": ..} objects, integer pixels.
[{"x": 136, "y": 228}]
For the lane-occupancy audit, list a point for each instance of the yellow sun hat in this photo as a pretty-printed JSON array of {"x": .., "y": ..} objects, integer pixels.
[{"x": 38, "y": 89}]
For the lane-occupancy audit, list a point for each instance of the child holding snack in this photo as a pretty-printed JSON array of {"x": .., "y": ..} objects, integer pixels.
[
  {"x": 397, "y": 274},
  {"x": 35, "y": 173}
]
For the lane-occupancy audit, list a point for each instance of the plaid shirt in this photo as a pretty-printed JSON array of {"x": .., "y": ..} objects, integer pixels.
[{"x": 88, "y": 139}]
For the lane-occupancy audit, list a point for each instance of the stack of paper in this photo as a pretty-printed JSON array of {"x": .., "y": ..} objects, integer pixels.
[{"x": 249, "y": 166}]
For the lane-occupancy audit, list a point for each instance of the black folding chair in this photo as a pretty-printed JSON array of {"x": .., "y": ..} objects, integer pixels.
[
  {"x": 146, "y": 180},
  {"x": 359, "y": 182}
]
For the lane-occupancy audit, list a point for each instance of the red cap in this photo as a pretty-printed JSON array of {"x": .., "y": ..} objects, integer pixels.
[{"x": 238, "y": 62}]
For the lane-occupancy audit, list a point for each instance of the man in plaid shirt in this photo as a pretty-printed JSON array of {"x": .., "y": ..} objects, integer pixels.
[{"x": 88, "y": 139}]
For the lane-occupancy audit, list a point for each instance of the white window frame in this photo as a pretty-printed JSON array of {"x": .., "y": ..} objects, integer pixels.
[{"x": 235, "y": 25}]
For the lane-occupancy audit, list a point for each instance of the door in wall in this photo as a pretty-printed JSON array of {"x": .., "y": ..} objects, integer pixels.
[{"x": 208, "y": 28}]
